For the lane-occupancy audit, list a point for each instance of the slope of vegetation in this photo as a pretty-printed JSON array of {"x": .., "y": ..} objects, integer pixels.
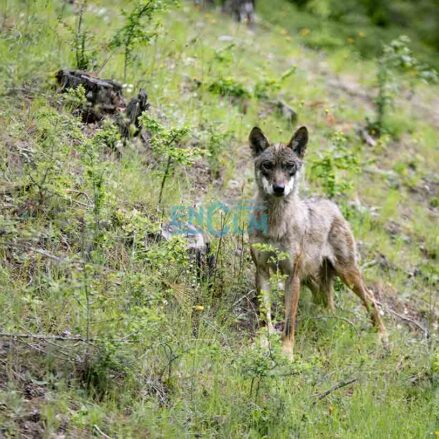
[
  {"x": 106, "y": 330},
  {"x": 363, "y": 25}
]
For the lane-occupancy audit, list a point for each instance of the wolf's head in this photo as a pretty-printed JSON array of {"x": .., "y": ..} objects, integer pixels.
[{"x": 277, "y": 166}]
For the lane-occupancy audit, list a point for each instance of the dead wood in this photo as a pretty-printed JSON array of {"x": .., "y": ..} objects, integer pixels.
[
  {"x": 105, "y": 99},
  {"x": 339, "y": 385}
]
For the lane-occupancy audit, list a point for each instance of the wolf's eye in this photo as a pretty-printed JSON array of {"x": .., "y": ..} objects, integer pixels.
[
  {"x": 267, "y": 166},
  {"x": 290, "y": 167}
]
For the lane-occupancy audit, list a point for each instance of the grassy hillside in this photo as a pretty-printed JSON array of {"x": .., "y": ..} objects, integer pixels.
[
  {"x": 330, "y": 24},
  {"x": 107, "y": 331}
]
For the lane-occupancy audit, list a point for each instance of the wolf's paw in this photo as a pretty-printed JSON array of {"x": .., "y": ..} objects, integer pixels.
[{"x": 287, "y": 350}]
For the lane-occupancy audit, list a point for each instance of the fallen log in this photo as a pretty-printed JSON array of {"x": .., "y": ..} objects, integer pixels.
[
  {"x": 129, "y": 124},
  {"x": 243, "y": 11},
  {"x": 103, "y": 93},
  {"x": 105, "y": 99}
]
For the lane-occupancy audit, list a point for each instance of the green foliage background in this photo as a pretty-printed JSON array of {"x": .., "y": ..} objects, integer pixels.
[{"x": 134, "y": 342}]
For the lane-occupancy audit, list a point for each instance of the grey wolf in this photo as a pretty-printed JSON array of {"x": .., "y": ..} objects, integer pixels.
[{"x": 312, "y": 233}]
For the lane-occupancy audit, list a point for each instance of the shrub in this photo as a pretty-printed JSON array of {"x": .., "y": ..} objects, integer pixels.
[
  {"x": 338, "y": 157},
  {"x": 135, "y": 31},
  {"x": 167, "y": 143},
  {"x": 229, "y": 87},
  {"x": 396, "y": 59}
]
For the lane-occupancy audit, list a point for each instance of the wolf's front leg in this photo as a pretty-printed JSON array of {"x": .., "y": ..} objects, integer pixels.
[
  {"x": 264, "y": 296},
  {"x": 292, "y": 294}
]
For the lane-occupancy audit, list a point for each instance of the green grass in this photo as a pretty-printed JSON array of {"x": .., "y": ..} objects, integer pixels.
[{"x": 167, "y": 355}]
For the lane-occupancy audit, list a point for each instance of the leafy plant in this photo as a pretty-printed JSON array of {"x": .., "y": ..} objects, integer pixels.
[
  {"x": 261, "y": 363},
  {"x": 396, "y": 59},
  {"x": 229, "y": 87},
  {"x": 338, "y": 157},
  {"x": 216, "y": 141},
  {"x": 75, "y": 99},
  {"x": 93, "y": 235},
  {"x": 225, "y": 55},
  {"x": 267, "y": 87},
  {"x": 108, "y": 135},
  {"x": 81, "y": 39},
  {"x": 44, "y": 163},
  {"x": 166, "y": 143},
  {"x": 102, "y": 370},
  {"x": 136, "y": 31}
]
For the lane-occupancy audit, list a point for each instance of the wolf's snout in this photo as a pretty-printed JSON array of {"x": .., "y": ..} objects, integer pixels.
[{"x": 279, "y": 189}]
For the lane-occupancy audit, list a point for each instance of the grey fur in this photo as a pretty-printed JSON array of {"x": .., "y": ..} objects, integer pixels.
[{"x": 313, "y": 232}]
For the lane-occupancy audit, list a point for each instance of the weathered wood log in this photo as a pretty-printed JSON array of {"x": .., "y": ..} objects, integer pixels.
[
  {"x": 243, "y": 11},
  {"x": 104, "y": 96},
  {"x": 134, "y": 110},
  {"x": 128, "y": 121}
]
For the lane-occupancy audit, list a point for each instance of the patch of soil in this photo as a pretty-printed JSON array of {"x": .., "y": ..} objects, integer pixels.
[
  {"x": 28, "y": 421},
  {"x": 202, "y": 176},
  {"x": 427, "y": 191},
  {"x": 405, "y": 312},
  {"x": 30, "y": 424}
]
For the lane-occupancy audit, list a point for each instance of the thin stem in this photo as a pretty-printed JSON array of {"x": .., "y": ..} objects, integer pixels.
[
  {"x": 165, "y": 176},
  {"x": 125, "y": 63},
  {"x": 334, "y": 388}
]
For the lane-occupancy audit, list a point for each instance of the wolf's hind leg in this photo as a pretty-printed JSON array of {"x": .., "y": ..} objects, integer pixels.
[
  {"x": 322, "y": 286},
  {"x": 351, "y": 276},
  {"x": 318, "y": 295},
  {"x": 327, "y": 274}
]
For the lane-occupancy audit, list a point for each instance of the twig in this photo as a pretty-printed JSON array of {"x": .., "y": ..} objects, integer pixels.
[
  {"x": 41, "y": 336},
  {"x": 341, "y": 384},
  {"x": 14, "y": 372},
  {"x": 101, "y": 432},
  {"x": 167, "y": 170},
  {"x": 40, "y": 349},
  {"x": 245, "y": 296},
  {"x": 165, "y": 176},
  {"x": 59, "y": 348},
  {"x": 369, "y": 264},
  {"x": 405, "y": 319},
  {"x": 218, "y": 250},
  {"x": 105, "y": 62},
  {"x": 61, "y": 337},
  {"x": 46, "y": 253}
]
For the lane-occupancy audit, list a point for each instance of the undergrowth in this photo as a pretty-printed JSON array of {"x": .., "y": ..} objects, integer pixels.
[{"x": 110, "y": 328}]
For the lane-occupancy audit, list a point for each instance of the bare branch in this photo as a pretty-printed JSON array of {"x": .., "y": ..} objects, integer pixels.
[
  {"x": 61, "y": 337},
  {"x": 339, "y": 385},
  {"x": 101, "y": 432},
  {"x": 405, "y": 318}
]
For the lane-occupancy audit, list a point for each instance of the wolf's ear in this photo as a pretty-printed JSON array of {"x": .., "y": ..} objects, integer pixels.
[
  {"x": 258, "y": 142},
  {"x": 298, "y": 141}
]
